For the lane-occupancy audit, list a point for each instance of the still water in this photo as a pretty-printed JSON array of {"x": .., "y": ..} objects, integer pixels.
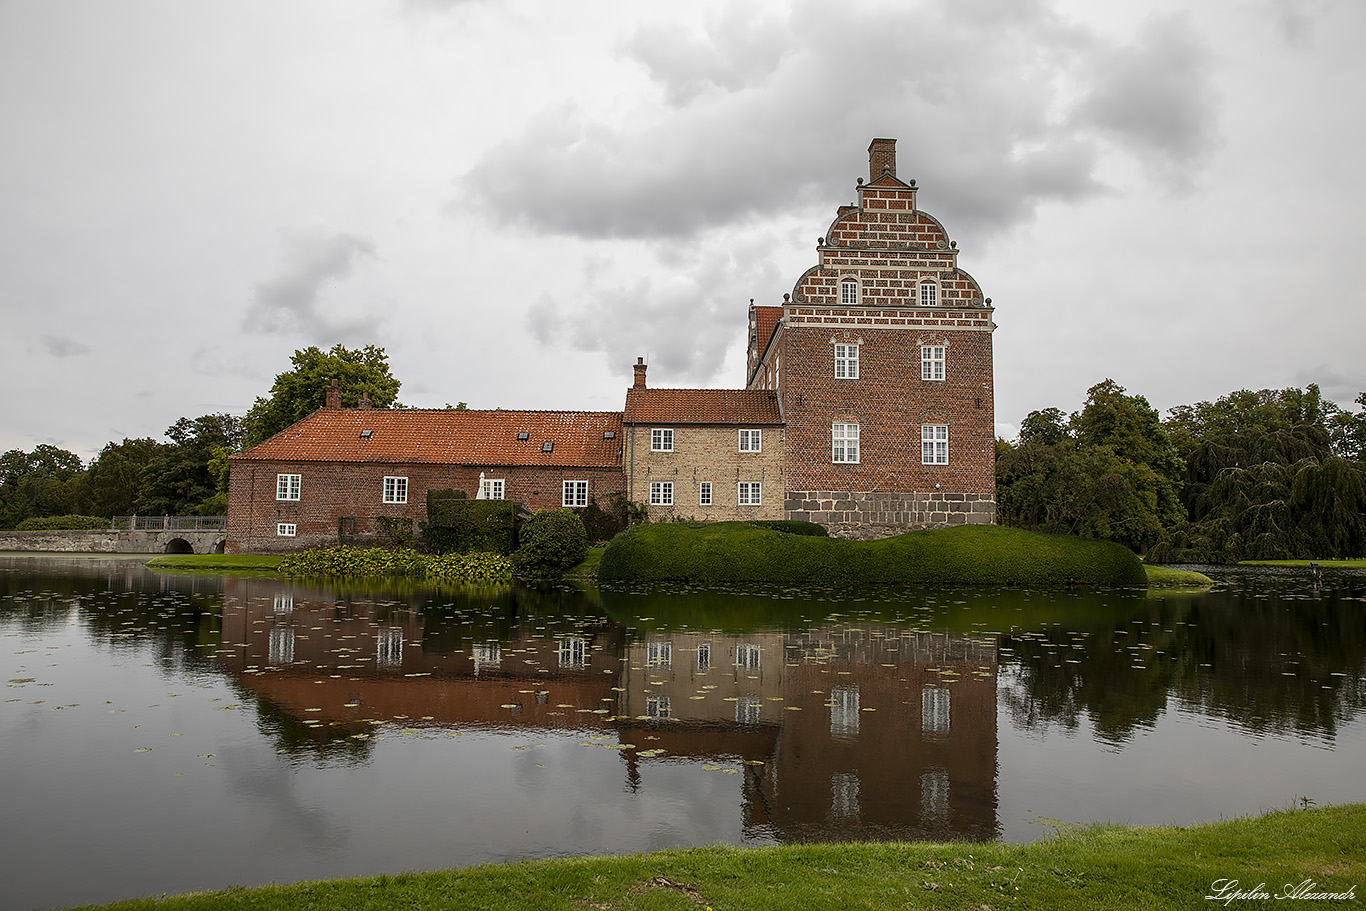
[{"x": 162, "y": 733}]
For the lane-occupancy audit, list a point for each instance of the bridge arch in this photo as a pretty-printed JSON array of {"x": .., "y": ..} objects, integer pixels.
[{"x": 178, "y": 546}]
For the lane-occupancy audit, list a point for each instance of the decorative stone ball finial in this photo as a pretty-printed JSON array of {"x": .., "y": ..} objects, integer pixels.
[
  {"x": 860, "y": 181},
  {"x": 820, "y": 241},
  {"x": 953, "y": 244},
  {"x": 786, "y": 298},
  {"x": 912, "y": 183}
]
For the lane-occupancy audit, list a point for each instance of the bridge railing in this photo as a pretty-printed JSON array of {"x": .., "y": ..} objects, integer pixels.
[{"x": 170, "y": 523}]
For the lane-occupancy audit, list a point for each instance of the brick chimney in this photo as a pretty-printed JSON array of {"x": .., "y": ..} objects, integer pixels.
[
  {"x": 365, "y": 403},
  {"x": 639, "y": 367},
  {"x": 333, "y": 396},
  {"x": 881, "y": 154}
]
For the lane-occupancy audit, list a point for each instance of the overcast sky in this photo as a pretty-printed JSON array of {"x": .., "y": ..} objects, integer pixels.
[{"x": 518, "y": 199}]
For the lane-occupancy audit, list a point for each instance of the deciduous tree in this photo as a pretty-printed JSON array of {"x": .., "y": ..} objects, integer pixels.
[{"x": 300, "y": 391}]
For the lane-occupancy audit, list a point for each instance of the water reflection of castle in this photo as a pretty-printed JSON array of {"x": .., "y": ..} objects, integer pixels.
[{"x": 848, "y": 730}]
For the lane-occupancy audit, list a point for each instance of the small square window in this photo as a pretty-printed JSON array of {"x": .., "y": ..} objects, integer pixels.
[
  {"x": 396, "y": 490},
  {"x": 662, "y": 440},
  {"x": 286, "y": 529},
  {"x": 750, "y": 440},
  {"x": 287, "y": 486},
  {"x": 661, "y": 493},
  {"x": 750, "y": 493},
  {"x": 704, "y": 494}
]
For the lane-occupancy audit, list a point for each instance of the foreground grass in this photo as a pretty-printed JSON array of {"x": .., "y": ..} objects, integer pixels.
[
  {"x": 1119, "y": 867},
  {"x": 1163, "y": 575},
  {"x": 223, "y": 562}
]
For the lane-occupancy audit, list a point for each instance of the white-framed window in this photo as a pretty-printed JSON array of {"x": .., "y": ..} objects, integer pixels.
[
  {"x": 704, "y": 493},
  {"x": 929, "y": 294},
  {"x": 846, "y": 362},
  {"x": 575, "y": 493},
  {"x": 286, "y": 529},
  {"x": 931, "y": 362},
  {"x": 486, "y": 654},
  {"x": 389, "y": 646},
  {"x": 573, "y": 652},
  {"x": 849, "y": 292},
  {"x": 658, "y": 707},
  {"x": 704, "y": 656},
  {"x": 287, "y": 486},
  {"x": 661, "y": 493},
  {"x": 284, "y": 604},
  {"x": 844, "y": 711},
  {"x": 751, "y": 440},
  {"x": 843, "y": 442},
  {"x": 747, "y": 656},
  {"x": 934, "y": 444},
  {"x": 662, "y": 439},
  {"x": 659, "y": 654},
  {"x": 395, "y": 490},
  {"x": 493, "y": 489},
  {"x": 751, "y": 493},
  {"x": 934, "y": 710},
  {"x": 281, "y": 645},
  {"x": 747, "y": 709}
]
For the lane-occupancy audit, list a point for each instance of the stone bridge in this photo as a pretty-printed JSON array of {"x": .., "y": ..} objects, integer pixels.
[{"x": 129, "y": 535}]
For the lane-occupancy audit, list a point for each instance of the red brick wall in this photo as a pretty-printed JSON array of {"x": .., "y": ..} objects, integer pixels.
[{"x": 329, "y": 491}]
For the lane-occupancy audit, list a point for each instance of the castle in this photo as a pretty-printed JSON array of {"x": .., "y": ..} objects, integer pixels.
[{"x": 867, "y": 408}]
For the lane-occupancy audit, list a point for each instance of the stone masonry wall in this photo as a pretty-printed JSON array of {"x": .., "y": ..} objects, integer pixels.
[
  {"x": 706, "y": 453},
  {"x": 869, "y": 515}
]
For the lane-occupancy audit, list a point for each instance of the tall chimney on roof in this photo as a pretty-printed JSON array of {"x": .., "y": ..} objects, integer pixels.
[
  {"x": 639, "y": 367},
  {"x": 365, "y": 403},
  {"x": 881, "y": 155},
  {"x": 333, "y": 399}
]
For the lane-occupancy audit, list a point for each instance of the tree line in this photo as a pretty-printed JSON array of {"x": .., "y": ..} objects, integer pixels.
[
  {"x": 1271, "y": 474},
  {"x": 187, "y": 472}
]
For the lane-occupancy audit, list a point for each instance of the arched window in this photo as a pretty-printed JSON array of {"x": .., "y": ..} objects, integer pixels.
[{"x": 849, "y": 291}]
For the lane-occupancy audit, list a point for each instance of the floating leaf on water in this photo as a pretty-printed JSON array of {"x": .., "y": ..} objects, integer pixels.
[{"x": 143, "y": 750}]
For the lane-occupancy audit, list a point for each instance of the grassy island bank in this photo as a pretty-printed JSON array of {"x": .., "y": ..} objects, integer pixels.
[
  {"x": 1302, "y": 853},
  {"x": 966, "y": 555}
]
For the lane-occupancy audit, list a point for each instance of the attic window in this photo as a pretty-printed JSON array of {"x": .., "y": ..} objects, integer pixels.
[
  {"x": 609, "y": 434},
  {"x": 365, "y": 434},
  {"x": 547, "y": 447},
  {"x": 523, "y": 435}
]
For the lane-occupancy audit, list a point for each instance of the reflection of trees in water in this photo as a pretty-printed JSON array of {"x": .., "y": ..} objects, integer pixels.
[
  {"x": 1267, "y": 654},
  {"x": 322, "y": 742}
]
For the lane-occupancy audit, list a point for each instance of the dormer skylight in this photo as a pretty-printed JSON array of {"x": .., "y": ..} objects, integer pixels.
[
  {"x": 523, "y": 435},
  {"x": 547, "y": 446}
]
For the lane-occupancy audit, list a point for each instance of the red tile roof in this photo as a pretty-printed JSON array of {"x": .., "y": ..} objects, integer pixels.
[
  {"x": 701, "y": 406},
  {"x": 447, "y": 437},
  {"x": 765, "y": 321}
]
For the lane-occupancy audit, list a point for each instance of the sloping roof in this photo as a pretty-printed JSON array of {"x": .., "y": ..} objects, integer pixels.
[
  {"x": 701, "y": 406},
  {"x": 765, "y": 321},
  {"x": 447, "y": 437}
]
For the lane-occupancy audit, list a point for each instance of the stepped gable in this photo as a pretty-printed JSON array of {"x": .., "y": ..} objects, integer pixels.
[
  {"x": 753, "y": 407},
  {"x": 447, "y": 436}
]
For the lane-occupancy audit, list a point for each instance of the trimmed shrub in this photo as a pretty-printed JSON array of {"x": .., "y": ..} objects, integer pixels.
[
  {"x": 63, "y": 523},
  {"x": 793, "y": 527},
  {"x": 966, "y": 555},
  {"x": 553, "y": 541},
  {"x": 456, "y": 524}
]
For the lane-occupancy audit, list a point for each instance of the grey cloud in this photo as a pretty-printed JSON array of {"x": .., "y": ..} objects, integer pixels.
[
  {"x": 290, "y": 302},
  {"x": 972, "y": 93},
  {"x": 58, "y": 346},
  {"x": 1153, "y": 97}
]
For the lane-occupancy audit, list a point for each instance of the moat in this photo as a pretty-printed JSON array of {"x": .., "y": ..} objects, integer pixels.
[{"x": 163, "y": 733}]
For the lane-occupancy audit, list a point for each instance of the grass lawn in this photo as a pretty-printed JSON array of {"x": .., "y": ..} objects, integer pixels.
[
  {"x": 1093, "y": 867},
  {"x": 1162, "y": 575},
  {"x": 1359, "y": 563},
  {"x": 218, "y": 562}
]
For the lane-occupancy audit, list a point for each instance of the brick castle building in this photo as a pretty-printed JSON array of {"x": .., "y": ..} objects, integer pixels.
[{"x": 868, "y": 408}]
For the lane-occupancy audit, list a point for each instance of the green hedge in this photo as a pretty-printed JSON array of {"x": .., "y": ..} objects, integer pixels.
[
  {"x": 792, "y": 527},
  {"x": 456, "y": 524},
  {"x": 966, "y": 555},
  {"x": 553, "y": 541},
  {"x": 375, "y": 562},
  {"x": 63, "y": 523}
]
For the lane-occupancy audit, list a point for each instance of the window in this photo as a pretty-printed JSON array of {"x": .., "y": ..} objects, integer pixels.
[
  {"x": 747, "y": 710},
  {"x": 658, "y": 707},
  {"x": 844, "y": 442},
  {"x": 934, "y": 710},
  {"x": 934, "y": 444},
  {"x": 844, "y": 711},
  {"x": 849, "y": 292},
  {"x": 931, "y": 362},
  {"x": 389, "y": 646},
  {"x": 286, "y": 529},
  {"x": 281, "y": 648},
  {"x": 929, "y": 294},
  {"x": 662, "y": 440},
  {"x": 704, "y": 494},
  {"x": 493, "y": 489},
  {"x": 846, "y": 362},
  {"x": 704, "y": 656},
  {"x": 934, "y": 794},
  {"x": 396, "y": 490},
  {"x": 575, "y": 493},
  {"x": 661, "y": 493},
  {"x": 573, "y": 652},
  {"x": 750, "y": 493},
  {"x": 844, "y": 795},
  {"x": 659, "y": 654},
  {"x": 486, "y": 654},
  {"x": 284, "y": 604},
  {"x": 750, "y": 440},
  {"x": 747, "y": 656},
  {"x": 287, "y": 486}
]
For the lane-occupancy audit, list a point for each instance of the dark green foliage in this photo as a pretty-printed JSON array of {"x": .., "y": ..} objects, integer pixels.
[
  {"x": 377, "y": 562},
  {"x": 116, "y": 478},
  {"x": 456, "y": 524},
  {"x": 1349, "y": 431},
  {"x": 63, "y": 523},
  {"x": 967, "y": 555},
  {"x": 45, "y": 482},
  {"x": 793, "y": 527},
  {"x": 1046, "y": 425},
  {"x": 603, "y": 523},
  {"x": 178, "y": 480},
  {"x": 394, "y": 532},
  {"x": 552, "y": 542},
  {"x": 299, "y": 392},
  {"x": 1246, "y": 411}
]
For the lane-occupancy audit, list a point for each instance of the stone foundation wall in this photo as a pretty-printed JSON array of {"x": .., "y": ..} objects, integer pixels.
[{"x": 867, "y": 515}]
